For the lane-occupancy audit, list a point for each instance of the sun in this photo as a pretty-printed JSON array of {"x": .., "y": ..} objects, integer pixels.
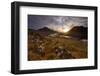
[
  {"x": 63, "y": 29},
  {"x": 66, "y": 29}
]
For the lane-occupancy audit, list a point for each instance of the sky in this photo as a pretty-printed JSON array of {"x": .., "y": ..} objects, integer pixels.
[{"x": 55, "y": 22}]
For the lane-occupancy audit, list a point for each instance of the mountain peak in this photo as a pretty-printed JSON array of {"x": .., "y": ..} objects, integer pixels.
[{"x": 44, "y": 29}]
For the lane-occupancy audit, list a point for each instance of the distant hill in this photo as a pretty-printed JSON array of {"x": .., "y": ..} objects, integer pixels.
[
  {"x": 79, "y": 32},
  {"x": 46, "y": 31},
  {"x": 43, "y": 31}
]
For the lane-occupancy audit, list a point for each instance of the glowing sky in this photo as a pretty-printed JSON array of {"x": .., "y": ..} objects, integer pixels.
[{"x": 58, "y": 23}]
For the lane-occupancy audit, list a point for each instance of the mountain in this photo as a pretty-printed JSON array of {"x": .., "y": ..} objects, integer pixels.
[
  {"x": 79, "y": 32},
  {"x": 46, "y": 31}
]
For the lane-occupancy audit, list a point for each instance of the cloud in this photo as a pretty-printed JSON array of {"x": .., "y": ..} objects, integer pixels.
[{"x": 40, "y": 21}]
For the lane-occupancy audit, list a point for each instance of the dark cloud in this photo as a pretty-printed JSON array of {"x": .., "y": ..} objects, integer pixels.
[{"x": 40, "y": 21}]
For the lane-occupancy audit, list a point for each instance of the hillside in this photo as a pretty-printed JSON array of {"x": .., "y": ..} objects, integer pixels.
[
  {"x": 47, "y": 44},
  {"x": 79, "y": 32}
]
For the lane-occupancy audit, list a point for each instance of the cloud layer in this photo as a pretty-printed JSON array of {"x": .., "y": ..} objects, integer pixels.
[{"x": 55, "y": 22}]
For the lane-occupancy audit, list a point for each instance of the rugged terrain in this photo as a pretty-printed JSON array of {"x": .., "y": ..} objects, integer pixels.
[{"x": 47, "y": 44}]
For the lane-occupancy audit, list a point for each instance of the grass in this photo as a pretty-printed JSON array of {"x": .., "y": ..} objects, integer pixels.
[{"x": 73, "y": 48}]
